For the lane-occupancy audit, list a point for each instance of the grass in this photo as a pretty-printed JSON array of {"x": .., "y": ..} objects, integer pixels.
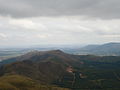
[{"x": 17, "y": 82}]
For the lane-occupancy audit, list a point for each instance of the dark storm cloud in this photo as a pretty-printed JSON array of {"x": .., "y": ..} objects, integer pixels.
[{"x": 106, "y": 9}]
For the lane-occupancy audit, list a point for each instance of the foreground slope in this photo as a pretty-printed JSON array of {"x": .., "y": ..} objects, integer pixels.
[
  {"x": 17, "y": 82},
  {"x": 45, "y": 72}
]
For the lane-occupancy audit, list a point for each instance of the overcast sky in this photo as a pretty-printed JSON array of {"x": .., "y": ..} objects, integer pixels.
[{"x": 44, "y": 22}]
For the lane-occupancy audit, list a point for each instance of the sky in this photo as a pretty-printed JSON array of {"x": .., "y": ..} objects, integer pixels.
[{"x": 59, "y": 22}]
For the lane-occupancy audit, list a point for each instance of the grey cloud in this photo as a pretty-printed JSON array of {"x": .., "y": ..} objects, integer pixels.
[{"x": 105, "y": 9}]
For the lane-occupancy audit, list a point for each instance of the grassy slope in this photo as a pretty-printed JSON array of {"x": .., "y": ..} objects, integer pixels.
[
  {"x": 45, "y": 72},
  {"x": 17, "y": 82}
]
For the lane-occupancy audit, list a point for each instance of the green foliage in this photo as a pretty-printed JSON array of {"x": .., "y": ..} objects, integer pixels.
[
  {"x": 17, "y": 82},
  {"x": 90, "y": 72}
]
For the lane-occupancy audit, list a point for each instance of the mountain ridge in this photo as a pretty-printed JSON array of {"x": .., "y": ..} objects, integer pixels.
[{"x": 108, "y": 49}]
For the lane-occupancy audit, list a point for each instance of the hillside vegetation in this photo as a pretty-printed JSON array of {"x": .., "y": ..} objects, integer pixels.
[
  {"x": 76, "y": 72},
  {"x": 17, "y": 82}
]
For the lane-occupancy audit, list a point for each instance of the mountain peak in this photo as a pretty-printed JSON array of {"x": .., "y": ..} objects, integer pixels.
[{"x": 56, "y": 51}]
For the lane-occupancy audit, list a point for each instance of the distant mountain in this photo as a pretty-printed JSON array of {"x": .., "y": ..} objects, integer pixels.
[{"x": 105, "y": 49}]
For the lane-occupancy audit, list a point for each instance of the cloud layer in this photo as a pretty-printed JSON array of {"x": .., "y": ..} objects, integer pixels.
[
  {"x": 105, "y": 9},
  {"x": 57, "y": 30},
  {"x": 37, "y": 22}
]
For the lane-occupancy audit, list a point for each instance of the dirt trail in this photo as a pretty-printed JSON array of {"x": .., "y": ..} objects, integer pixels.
[
  {"x": 116, "y": 75},
  {"x": 73, "y": 79}
]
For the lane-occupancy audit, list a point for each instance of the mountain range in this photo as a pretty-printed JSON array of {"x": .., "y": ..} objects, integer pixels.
[
  {"x": 107, "y": 49},
  {"x": 61, "y": 70}
]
